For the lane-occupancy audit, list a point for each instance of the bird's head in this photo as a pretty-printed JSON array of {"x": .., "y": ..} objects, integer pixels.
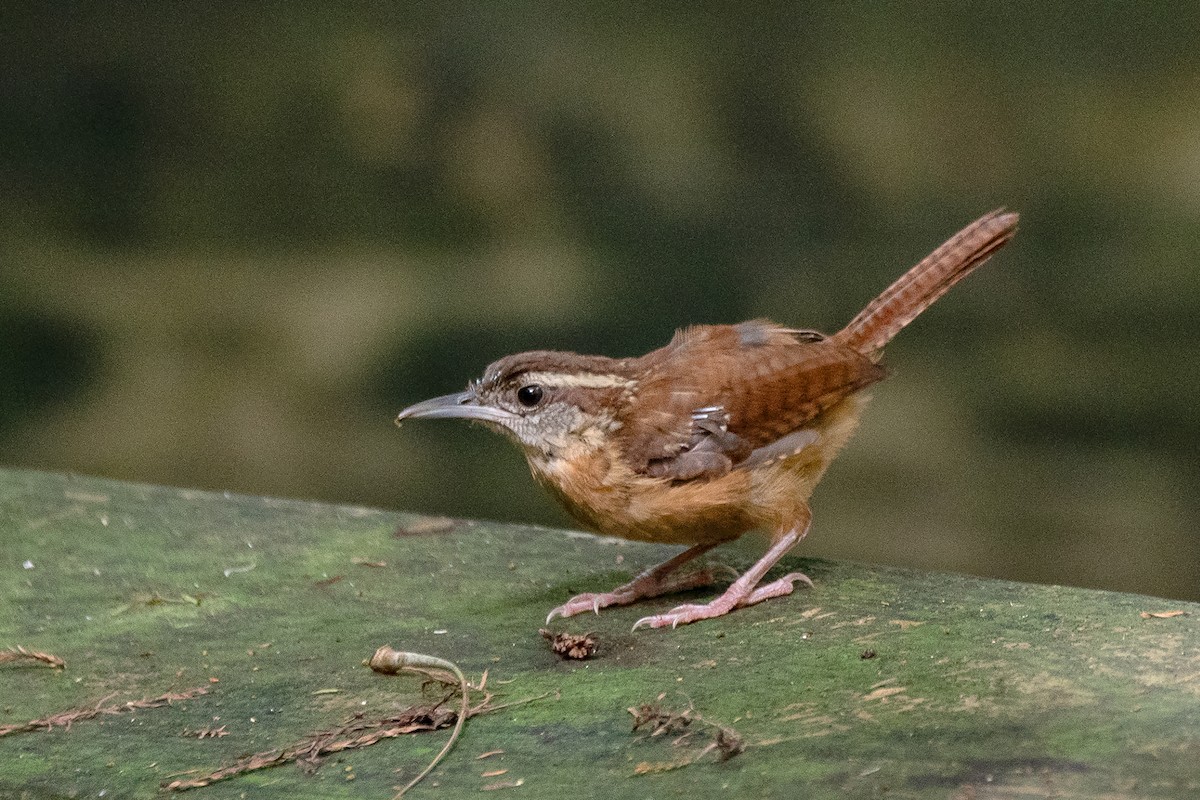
[{"x": 550, "y": 402}]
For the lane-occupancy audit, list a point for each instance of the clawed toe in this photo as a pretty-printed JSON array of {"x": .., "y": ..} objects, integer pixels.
[
  {"x": 577, "y": 605},
  {"x": 680, "y": 615},
  {"x": 648, "y": 584},
  {"x": 779, "y": 588},
  {"x": 655, "y": 582},
  {"x": 735, "y": 597}
]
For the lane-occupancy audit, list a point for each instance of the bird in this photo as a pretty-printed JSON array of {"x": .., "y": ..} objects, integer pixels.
[{"x": 724, "y": 430}]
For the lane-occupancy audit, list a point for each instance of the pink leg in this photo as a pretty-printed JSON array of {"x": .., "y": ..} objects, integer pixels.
[
  {"x": 650, "y": 583},
  {"x": 745, "y": 590}
]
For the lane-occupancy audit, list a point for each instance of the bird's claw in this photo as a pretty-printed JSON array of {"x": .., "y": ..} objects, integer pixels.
[
  {"x": 680, "y": 615},
  {"x": 577, "y": 605},
  {"x": 641, "y": 587},
  {"x": 732, "y": 599}
]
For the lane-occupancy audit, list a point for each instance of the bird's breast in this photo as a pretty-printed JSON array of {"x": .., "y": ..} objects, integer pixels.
[
  {"x": 599, "y": 488},
  {"x": 608, "y": 497}
]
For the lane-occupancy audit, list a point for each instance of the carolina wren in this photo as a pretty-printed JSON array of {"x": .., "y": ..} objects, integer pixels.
[{"x": 727, "y": 428}]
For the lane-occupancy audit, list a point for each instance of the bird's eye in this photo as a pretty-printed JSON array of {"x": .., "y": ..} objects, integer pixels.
[{"x": 530, "y": 395}]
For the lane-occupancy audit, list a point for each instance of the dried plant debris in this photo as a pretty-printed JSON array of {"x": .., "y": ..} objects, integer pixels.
[
  {"x": 491, "y": 787},
  {"x": 146, "y": 600},
  {"x": 659, "y": 719},
  {"x": 1161, "y": 614},
  {"x": 727, "y": 743},
  {"x": 687, "y": 726},
  {"x": 65, "y": 719},
  {"x": 390, "y": 661},
  {"x": 358, "y": 732},
  {"x": 571, "y": 646},
  {"x": 309, "y": 752},
  {"x": 19, "y": 654},
  {"x": 204, "y": 733}
]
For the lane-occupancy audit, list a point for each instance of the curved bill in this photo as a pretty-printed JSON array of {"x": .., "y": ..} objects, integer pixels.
[{"x": 464, "y": 405}]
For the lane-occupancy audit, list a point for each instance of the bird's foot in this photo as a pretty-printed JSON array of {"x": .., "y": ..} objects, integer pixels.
[
  {"x": 734, "y": 597},
  {"x": 779, "y": 588},
  {"x": 646, "y": 585}
]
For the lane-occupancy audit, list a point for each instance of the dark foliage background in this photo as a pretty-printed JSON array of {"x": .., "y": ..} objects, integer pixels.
[{"x": 235, "y": 240}]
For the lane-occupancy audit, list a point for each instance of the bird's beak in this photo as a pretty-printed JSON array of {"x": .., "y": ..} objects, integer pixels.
[{"x": 464, "y": 405}]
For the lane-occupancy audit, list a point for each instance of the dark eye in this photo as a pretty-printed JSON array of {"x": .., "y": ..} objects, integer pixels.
[{"x": 529, "y": 396}]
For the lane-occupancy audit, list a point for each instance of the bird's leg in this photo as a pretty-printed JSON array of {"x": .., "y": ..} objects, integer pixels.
[
  {"x": 745, "y": 591},
  {"x": 651, "y": 583}
]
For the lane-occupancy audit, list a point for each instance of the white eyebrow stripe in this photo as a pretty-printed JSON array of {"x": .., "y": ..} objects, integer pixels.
[{"x": 577, "y": 380}]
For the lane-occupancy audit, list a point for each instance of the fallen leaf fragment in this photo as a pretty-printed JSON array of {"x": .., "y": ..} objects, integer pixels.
[
  {"x": 491, "y": 787},
  {"x": 488, "y": 754},
  {"x": 905, "y": 624},
  {"x": 1162, "y": 614},
  {"x": 493, "y": 773}
]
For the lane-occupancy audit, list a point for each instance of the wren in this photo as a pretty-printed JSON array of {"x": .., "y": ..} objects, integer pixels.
[{"x": 726, "y": 429}]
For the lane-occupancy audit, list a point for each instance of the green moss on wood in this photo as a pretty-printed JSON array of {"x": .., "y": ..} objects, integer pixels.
[{"x": 1012, "y": 690}]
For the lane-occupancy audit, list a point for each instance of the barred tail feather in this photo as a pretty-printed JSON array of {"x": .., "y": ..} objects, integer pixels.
[{"x": 916, "y": 289}]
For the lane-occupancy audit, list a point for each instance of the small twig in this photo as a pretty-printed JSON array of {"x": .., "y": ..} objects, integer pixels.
[
  {"x": 490, "y": 708},
  {"x": 64, "y": 719},
  {"x": 390, "y": 662},
  {"x": 20, "y": 653}
]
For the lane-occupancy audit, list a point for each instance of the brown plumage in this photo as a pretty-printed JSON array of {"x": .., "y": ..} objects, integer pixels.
[
  {"x": 725, "y": 429},
  {"x": 768, "y": 381}
]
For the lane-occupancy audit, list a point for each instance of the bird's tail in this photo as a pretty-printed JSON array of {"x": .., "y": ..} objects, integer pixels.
[{"x": 916, "y": 289}]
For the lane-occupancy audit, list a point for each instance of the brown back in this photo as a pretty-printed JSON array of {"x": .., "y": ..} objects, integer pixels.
[{"x": 769, "y": 380}]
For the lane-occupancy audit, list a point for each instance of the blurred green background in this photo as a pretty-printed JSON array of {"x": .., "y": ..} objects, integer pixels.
[{"x": 235, "y": 240}]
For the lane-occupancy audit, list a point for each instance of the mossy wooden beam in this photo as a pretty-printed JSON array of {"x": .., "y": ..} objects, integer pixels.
[{"x": 878, "y": 682}]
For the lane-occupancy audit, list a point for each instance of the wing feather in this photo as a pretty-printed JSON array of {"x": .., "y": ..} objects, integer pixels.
[{"x": 716, "y": 394}]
